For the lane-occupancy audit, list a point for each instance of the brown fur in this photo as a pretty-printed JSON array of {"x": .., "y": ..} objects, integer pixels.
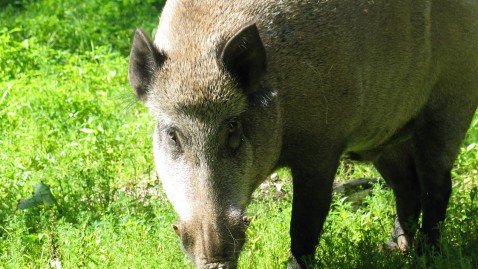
[{"x": 394, "y": 82}]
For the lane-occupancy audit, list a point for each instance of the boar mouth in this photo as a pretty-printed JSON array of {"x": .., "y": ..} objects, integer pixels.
[{"x": 220, "y": 265}]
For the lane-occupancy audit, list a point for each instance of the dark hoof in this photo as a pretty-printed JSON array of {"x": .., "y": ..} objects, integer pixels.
[
  {"x": 293, "y": 264},
  {"x": 399, "y": 241},
  {"x": 399, "y": 244},
  {"x": 301, "y": 263},
  {"x": 402, "y": 243}
]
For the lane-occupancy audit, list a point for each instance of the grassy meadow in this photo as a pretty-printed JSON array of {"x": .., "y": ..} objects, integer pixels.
[{"x": 69, "y": 119}]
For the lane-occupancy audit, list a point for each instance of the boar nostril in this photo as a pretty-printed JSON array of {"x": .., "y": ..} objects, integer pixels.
[
  {"x": 247, "y": 221},
  {"x": 176, "y": 229}
]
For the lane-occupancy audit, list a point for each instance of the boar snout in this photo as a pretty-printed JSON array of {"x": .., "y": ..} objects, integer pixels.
[
  {"x": 213, "y": 244},
  {"x": 220, "y": 265}
]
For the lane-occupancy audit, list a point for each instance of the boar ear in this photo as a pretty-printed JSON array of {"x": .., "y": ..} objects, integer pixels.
[
  {"x": 144, "y": 60},
  {"x": 244, "y": 57}
]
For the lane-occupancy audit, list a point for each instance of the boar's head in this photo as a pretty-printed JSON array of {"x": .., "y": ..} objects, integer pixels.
[{"x": 217, "y": 133}]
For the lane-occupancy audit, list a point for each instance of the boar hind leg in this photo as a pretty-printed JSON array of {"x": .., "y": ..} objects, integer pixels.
[
  {"x": 439, "y": 131},
  {"x": 312, "y": 179},
  {"x": 397, "y": 167}
]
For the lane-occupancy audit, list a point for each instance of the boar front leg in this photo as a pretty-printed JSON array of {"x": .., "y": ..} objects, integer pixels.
[
  {"x": 397, "y": 166},
  {"x": 312, "y": 179}
]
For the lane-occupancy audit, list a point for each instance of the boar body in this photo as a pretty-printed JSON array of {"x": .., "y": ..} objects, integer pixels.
[{"x": 240, "y": 88}]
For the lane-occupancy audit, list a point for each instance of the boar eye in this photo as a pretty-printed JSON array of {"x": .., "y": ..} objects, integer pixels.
[
  {"x": 234, "y": 134},
  {"x": 232, "y": 126},
  {"x": 173, "y": 137}
]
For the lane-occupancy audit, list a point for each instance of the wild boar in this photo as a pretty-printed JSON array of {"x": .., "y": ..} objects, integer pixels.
[{"x": 240, "y": 88}]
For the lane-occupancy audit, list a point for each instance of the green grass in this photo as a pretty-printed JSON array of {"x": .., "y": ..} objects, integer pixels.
[{"x": 68, "y": 118}]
